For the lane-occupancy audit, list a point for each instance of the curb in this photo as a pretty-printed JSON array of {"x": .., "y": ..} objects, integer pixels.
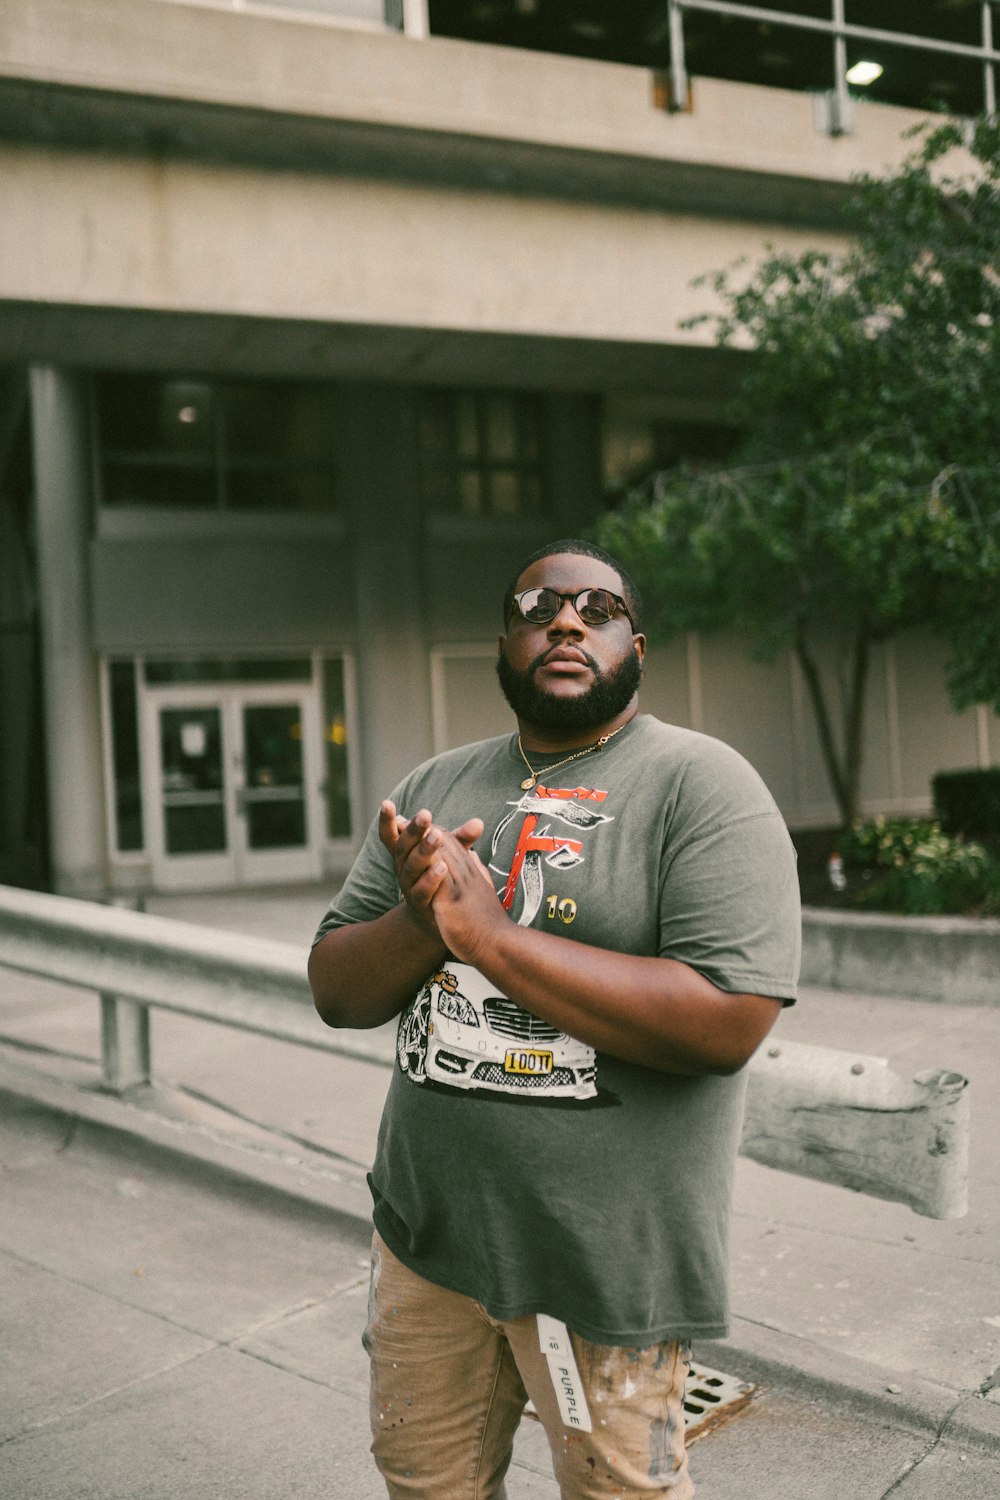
[
  {"x": 764, "y": 1355},
  {"x": 273, "y": 1164}
]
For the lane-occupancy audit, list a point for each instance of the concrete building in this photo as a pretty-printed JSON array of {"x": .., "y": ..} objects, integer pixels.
[{"x": 312, "y": 323}]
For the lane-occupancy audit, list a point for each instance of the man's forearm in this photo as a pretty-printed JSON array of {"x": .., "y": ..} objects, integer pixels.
[
  {"x": 364, "y": 973},
  {"x": 654, "y": 1011}
]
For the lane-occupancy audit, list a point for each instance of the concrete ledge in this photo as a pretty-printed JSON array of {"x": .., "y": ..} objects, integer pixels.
[
  {"x": 271, "y": 1162},
  {"x": 951, "y": 959}
]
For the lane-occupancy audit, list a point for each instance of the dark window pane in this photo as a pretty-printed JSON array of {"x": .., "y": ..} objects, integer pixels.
[
  {"x": 272, "y": 746},
  {"x": 276, "y": 825},
  {"x": 289, "y": 422},
  {"x": 501, "y": 429},
  {"x": 470, "y": 493},
  {"x": 338, "y": 790},
  {"x": 125, "y": 756},
  {"x": 227, "y": 669},
  {"x": 505, "y": 494},
  {"x": 480, "y": 453},
  {"x": 189, "y": 444},
  {"x": 137, "y": 413},
  {"x": 272, "y": 487},
  {"x": 194, "y": 814},
  {"x": 177, "y": 487},
  {"x": 195, "y": 830}
]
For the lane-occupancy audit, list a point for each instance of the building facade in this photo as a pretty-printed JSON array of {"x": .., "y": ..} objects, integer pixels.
[{"x": 312, "y": 324}]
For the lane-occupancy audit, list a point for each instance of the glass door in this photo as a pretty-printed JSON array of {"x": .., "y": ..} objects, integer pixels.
[
  {"x": 233, "y": 788},
  {"x": 277, "y": 832},
  {"x": 189, "y": 793}
]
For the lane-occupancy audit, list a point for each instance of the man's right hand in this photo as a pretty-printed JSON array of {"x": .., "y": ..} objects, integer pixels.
[
  {"x": 363, "y": 973},
  {"x": 415, "y": 846}
]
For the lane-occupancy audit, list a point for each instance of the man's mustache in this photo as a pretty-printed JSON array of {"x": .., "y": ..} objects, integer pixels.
[{"x": 543, "y": 657}]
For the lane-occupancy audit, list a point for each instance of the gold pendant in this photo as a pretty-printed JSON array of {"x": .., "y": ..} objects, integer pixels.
[{"x": 528, "y": 784}]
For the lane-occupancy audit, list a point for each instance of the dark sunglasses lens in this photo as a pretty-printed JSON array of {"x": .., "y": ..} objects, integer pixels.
[
  {"x": 539, "y": 605},
  {"x": 595, "y": 606}
]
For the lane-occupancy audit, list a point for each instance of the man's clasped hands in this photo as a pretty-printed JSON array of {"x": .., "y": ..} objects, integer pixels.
[{"x": 447, "y": 888}]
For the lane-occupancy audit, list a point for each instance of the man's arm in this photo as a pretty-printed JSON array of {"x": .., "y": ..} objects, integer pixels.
[
  {"x": 363, "y": 973},
  {"x": 654, "y": 1011}
]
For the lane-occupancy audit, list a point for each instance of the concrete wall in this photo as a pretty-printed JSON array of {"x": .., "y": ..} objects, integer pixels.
[
  {"x": 710, "y": 684},
  {"x": 952, "y": 959}
]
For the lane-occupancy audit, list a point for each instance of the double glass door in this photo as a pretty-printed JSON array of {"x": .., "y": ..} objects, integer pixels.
[{"x": 235, "y": 793}]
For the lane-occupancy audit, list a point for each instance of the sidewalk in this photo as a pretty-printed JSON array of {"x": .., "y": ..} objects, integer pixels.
[{"x": 151, "y": 1295}]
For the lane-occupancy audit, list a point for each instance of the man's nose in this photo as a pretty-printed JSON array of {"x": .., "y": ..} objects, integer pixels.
[{"x": 566, "y": 620}]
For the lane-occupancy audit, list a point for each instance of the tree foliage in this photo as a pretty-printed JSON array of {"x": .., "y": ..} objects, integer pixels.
[{"x": 865, "y": 498}]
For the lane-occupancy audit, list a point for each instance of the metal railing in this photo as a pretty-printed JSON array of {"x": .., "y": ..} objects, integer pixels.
[
  {"x": 839, "y": 30},
  {"x": 832, "y": 1116}
]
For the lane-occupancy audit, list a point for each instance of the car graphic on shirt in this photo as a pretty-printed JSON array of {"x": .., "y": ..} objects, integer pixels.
[{"x": 459, "y": 1031}]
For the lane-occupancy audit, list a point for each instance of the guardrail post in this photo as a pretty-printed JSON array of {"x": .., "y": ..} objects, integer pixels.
[{"x": 125, "y": 1053}]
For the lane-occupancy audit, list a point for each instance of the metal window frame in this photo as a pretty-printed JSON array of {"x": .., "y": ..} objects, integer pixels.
[{"x": 839, "y": 30}]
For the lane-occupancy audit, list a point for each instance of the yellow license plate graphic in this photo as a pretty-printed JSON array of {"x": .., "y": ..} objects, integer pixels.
[{"x": 528, "y": 1060}]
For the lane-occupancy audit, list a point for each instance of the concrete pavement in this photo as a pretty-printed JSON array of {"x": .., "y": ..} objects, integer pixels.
[{"x": 184, "y": 1274}]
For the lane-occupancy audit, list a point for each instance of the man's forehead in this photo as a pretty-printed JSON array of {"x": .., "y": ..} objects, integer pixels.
[{"x": 569, "y": 570}]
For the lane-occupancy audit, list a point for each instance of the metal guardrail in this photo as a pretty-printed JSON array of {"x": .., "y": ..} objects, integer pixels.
[
  {"x": 833, "y": 1116},
  {"x": 839, "y": 30}
]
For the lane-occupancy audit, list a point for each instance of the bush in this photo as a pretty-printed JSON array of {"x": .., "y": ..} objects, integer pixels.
[
  {"x": 918, "y": 869},
  {"x": 968, "y": 803}
]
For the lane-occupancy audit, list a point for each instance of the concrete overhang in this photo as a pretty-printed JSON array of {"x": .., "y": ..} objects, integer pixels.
[
  {"x": 133, "y": 124},
  {"x": 135, "y": 339}
]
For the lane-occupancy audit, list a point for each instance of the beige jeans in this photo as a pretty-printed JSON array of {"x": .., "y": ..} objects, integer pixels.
[{"x": 449, "y": 1384}]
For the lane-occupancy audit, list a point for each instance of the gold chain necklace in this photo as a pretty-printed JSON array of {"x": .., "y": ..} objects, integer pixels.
[{"x": 528, "y": 784}]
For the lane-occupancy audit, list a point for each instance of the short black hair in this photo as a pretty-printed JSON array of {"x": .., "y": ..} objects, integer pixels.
[{"x": 577, "y": 546}]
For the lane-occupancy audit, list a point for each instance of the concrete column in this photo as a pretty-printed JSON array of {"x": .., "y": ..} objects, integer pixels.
[
  {"x": 69, "y": 669},
  {"x": 381, "y": 495}
]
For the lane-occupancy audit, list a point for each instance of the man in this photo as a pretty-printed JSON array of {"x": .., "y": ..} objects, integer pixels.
[{"x": 589, "y": 927}]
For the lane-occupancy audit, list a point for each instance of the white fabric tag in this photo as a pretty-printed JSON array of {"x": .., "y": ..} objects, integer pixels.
[{"x": 554, "y": 1342}]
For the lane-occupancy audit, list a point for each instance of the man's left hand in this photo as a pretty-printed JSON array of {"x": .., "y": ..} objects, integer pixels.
[{"x": 465, "y": 904}]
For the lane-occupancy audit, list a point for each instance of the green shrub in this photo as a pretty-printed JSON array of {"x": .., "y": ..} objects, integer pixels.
[
  {"x": 968, "y": 803},
  {"x": 914, "y": 867}
]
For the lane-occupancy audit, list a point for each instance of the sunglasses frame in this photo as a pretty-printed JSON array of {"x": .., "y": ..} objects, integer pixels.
[{"x": 573, "y": 597}]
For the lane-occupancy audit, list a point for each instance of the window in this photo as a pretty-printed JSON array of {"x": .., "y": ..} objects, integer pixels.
[
  {"x": 159, "y": 671},
  {"x": 480, "y": 454},
  {"x": 125, "y": 755},
  {"x": 188, "y": 444},
  {"x": 751, "y": 48},
  {"x": 338, "y": 782}
]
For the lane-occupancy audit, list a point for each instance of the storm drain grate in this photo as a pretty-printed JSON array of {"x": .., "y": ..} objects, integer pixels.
[{"x": 709, "y": 1398}]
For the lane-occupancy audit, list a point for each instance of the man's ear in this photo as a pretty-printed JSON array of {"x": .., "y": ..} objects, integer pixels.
[
  {"x": 639, "y": 641},
  {"x": 500, "y": 645}
]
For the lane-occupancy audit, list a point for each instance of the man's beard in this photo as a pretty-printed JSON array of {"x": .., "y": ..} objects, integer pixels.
[{"x": 607, "y": 696}]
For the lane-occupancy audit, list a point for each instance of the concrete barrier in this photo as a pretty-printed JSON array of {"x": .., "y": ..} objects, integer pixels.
[{"x": 950, "y": 959}]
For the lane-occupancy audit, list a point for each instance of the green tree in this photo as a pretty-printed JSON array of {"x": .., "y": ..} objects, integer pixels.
[{"x": 865, "y": 498}]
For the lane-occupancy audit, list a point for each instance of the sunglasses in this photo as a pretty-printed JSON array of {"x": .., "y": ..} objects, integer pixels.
[{"x": 594, "y": 606}]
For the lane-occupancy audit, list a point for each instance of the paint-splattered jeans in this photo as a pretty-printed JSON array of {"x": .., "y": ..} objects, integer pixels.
[{"x": 449, "y": 1384}]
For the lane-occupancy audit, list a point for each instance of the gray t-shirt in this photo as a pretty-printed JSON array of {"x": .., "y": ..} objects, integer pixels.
[{"x": 515, "y": 1165}]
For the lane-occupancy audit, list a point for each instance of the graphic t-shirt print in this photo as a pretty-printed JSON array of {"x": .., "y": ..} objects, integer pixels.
[{"x": 458, "y": 1031}]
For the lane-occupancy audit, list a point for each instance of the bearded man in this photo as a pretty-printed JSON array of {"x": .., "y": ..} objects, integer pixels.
[{"x": 587, "y": 927}]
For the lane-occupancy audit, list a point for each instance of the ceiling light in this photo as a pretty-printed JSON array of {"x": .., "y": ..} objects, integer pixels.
[{"x": 863, "y": 73}]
